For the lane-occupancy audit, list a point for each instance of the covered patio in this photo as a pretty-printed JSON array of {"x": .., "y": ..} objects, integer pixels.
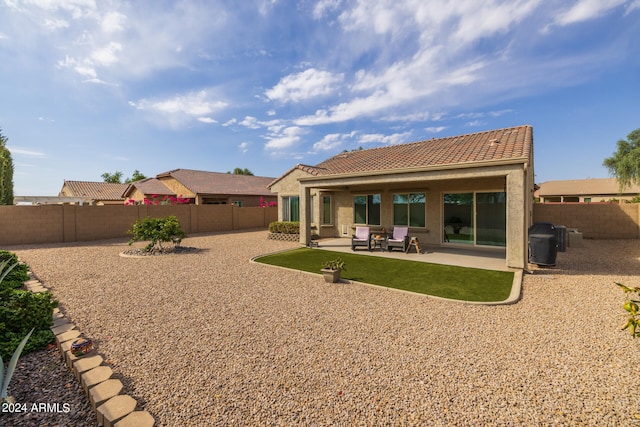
[{"x": 483, "y": 258}]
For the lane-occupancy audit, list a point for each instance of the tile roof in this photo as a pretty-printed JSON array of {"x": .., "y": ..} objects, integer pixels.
[
  {"x": 202, "y": 182},
  {"x": 93, "y": 190},
  {"x": 149, "y": 186},
  {"x": 592, "y": 186},
  {"x": 513, "y": 143},
  {"x": 500, "y": 144}
]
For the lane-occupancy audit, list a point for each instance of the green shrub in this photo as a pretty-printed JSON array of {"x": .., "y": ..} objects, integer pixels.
[
  {"x": 157, "y": 231},
  {"x": 17, "y": 276},
  {"x": 632, "y": 307},
  {"x": 20, "y": 311},
  {"x": 286, "y": 227}
]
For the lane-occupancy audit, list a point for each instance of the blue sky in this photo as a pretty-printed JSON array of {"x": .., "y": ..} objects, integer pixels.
[{"x": 94, "y": 86}]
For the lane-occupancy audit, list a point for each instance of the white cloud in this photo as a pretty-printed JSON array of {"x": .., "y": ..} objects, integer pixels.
[
  {"x": 107, "y": 55},
  {"x": 113, "y": 22},
  {"x": 182, "y": 108},
  {"x": 435, "y": 129},
  {"x": 324, "y": 6},
  {"x": 207, "y": 120},
  {"x": 308, "y": 84},
  {"x": 332, "y": 141},
  {"x": 244, "y": 147},
  {"x": 633, "y": 6},
  {"x": 251, "y": 123},
  {"x": 584, "y": 10},
  {"x": 56, "y": 24},
  {"x": 396, "y": 138},
  {"x": 283, "y": 138},
  {"x": 25, "y": 152}
]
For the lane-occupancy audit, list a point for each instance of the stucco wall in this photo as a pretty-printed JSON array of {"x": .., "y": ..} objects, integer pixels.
[
  {"x": 434, "y": 191},
  {"x": 71, "y": 223}
]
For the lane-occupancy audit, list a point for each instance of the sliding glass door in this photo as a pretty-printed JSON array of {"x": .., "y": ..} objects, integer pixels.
[
  {"x": 458, "y": 218},
  {"x": 475, "y": 218}
]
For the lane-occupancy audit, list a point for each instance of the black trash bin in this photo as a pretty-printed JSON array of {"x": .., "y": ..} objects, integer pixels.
[{"x": 543, "y": 243}]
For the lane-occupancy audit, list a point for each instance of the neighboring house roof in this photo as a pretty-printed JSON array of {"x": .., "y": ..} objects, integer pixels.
[
  {"x": 501, "y": 144},
  {"x": 592, "y": 186},
  {"x": 149, "y": 186},
  {"x": 202, "y": 182},
  {"x": 93, "y": 190}
]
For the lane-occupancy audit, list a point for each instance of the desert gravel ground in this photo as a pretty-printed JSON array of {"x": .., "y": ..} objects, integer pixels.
[{"x": 209, "y": 338}]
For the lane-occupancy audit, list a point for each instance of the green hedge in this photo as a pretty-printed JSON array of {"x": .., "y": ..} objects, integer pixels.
[
  {"x": 21, "y": 310},
  {"x": 17, "y": 276},
  {"x": 286, "y": 227}
]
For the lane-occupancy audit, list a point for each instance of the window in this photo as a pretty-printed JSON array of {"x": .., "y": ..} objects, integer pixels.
[
  {"x": 312, "y": 200},
  {"x": 587, "y": 199},
  {"x": 326, "y": 209},
  {"x": 238, "y": 203},
  {"x": 409, "y": 209},
  {"x": 366, "y": 209},
  {"x": 291, "y": 208}
]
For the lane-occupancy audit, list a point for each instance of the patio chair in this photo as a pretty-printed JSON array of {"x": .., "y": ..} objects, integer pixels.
[
  {"x": 361, "y": 238},
  {"x": 400, "y": 239}
]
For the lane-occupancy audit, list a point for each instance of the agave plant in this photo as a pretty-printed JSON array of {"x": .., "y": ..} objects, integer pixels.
[
  {"x": 3, "y": 272},
  {"x": 5, "y": 380}
]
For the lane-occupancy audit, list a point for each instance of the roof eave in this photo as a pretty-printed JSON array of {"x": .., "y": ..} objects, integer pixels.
[{"x": 450, "y": 166}]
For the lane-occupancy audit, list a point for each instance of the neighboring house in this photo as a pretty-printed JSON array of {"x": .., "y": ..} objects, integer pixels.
[
  {"x": 204, "y": 188},
  {"x": 467, "y": 190},
  {"x": 585, "y": 190},
  {"x": 94, "y": 193},
  {"x": 148, "y": 188}
]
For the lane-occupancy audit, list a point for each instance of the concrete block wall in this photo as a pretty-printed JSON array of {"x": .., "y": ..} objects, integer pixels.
[
  {"x": 593, "y": 220},
  {"x": 21, "y": 225}
]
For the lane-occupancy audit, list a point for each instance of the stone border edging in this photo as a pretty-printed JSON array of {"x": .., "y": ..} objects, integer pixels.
[
  {"x": 284, "y": 237},
  {"x": 112, "y": 408}
]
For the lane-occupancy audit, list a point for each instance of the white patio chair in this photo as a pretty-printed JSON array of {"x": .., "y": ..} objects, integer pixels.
[
  {"x": 361, "y": 238},
  {"x": 400, "y": 239}
]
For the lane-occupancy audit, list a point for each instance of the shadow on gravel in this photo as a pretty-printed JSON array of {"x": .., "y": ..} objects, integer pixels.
[{"x": 596, "y": 257}]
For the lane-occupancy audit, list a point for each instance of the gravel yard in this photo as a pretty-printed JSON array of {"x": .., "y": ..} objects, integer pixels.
[{"x": 209, "y": 338}]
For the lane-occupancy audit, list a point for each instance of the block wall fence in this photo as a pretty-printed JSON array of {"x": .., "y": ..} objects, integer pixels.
[
  {"x": 71, "y": 223},
  {"x": 593, "y": 220}
]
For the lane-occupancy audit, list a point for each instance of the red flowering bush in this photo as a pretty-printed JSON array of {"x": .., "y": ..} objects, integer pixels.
[{"x": 156, "y": 200}]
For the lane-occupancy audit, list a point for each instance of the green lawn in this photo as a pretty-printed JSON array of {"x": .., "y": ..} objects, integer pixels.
[{"x": 461, "y": 283}]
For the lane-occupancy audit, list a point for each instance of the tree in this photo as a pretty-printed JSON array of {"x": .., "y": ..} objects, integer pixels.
[
  {"x": 136, "y": 176},
  {"x": 624, "y": 164},
  {"x": 240, "y": 171},
  {"x": 116, "y": 177},
  {"x": 6, "y": 173}
]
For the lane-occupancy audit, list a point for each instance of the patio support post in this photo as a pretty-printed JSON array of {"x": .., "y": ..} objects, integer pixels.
[
  {"x": 305, "y": 215},
  {"x": 517, "y": 214}
]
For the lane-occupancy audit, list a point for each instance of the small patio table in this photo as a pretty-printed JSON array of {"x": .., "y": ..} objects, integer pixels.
[{"x": 379, "y": 241}]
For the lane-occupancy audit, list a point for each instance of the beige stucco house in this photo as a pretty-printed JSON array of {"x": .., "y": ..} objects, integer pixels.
[
  {"x": 93, "y": 193},
  {"x": 204, "y": 188},
  {"x": 473, "y": 190}
]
